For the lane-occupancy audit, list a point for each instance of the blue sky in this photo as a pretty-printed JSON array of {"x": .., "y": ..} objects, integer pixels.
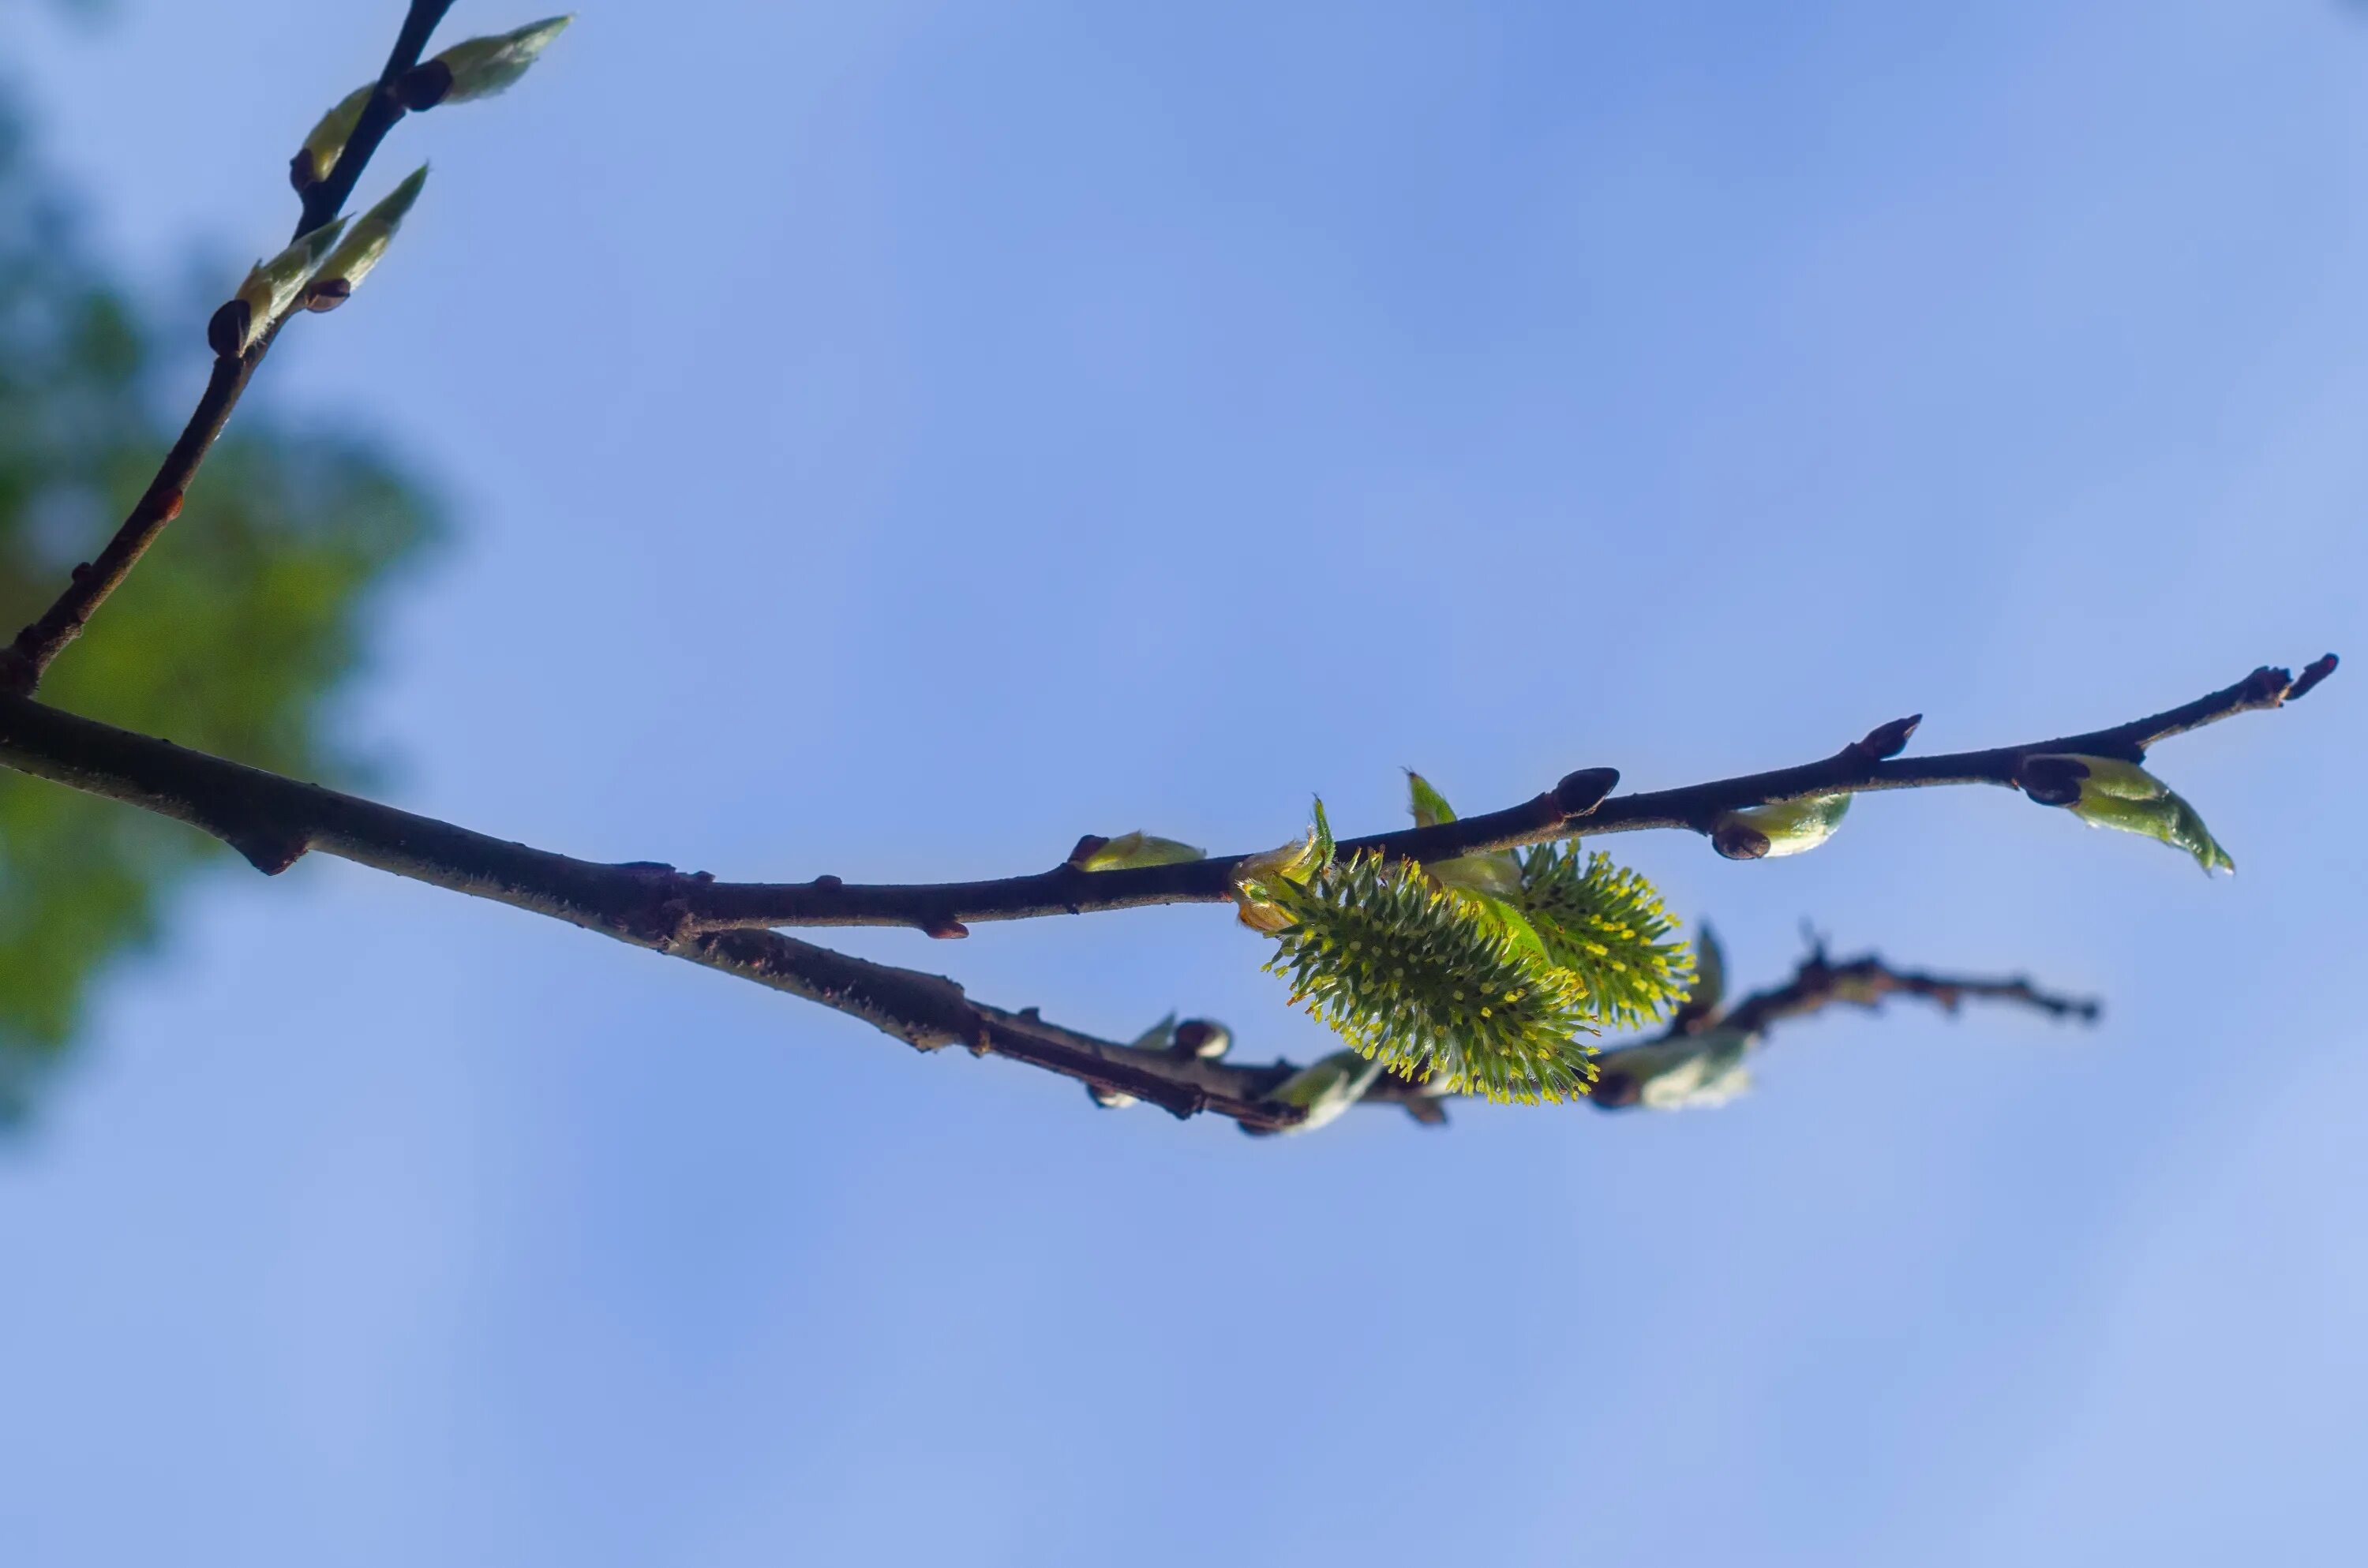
[{"x": 892, "y": 440}]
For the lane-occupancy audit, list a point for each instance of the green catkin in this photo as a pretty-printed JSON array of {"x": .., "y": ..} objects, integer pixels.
[
  {"x": 1412, "y": 977},
  {"x": 1605, "y": 924}
]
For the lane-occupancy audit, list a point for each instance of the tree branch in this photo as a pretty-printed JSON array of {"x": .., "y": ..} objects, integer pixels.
[
  {"x": 27, "y": 659},
  {"x": 1820, "y": 984},
  {"x": 272, "y": 821},
  {"x": 1577, "y": 805}
]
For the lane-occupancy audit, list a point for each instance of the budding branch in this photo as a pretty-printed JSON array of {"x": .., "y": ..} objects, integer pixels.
[{"x": 273, "y": 821}]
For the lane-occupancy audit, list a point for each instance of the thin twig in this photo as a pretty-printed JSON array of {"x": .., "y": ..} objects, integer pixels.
[
  {"x": 27, "y": 659},
  {"x": 1820, "y": 984},
  {"x": 1560, "y": 813}
]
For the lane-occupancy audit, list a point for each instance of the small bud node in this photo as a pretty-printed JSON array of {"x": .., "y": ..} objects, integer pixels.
[
  {"x": 422, "y": 87},
  {"x": 1737, "y": 841},
  {"x": 1580, "y": 793},
  {"x": 226, "y": 333}
]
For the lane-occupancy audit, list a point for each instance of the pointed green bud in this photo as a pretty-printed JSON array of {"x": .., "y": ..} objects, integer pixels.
[
  {"x": 1132, "y": 849},
  {"x": 272, "y": 287},
  {"x": 1497, "y": 875},
  {"x": 2105, "y": 792},
  {"x": 1326, "y": 1089},
  {"x": 314, "y": 161},
  {"x": 1430, "y": 807},
  {"x": 1158, "y": 1037},
  {"x": 479, "y": 68},
  {"x": 364, "y": 243},
  {"x": 1788, "y": 827},
  {"x": 1692, "y": 1072}
]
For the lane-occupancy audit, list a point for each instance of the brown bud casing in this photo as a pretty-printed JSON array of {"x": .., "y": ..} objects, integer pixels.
[
  {"x": 226, "y": 333},
  {"x": 1738, "y": 841},
  {"x": 423, "y": 87},
  {"x": 1581, "y": 792}
]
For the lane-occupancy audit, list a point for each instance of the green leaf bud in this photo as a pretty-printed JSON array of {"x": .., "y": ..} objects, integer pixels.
[
  {"x": 314, "y": 160},
  {"x": 2105, "y": 792},
  {"x": 1430, "y": 807},
  {"x": 1326, "y": 1089},
  {"x": 1787, "y": 827},
  {"x": 1691, "y": 1072},
  {"x": 1497, "y": 875},
  {"x": 479, "y": 67},
  {"x": 1132, "y": 849},
  {"x": 364, "y": 243},
  {"x": 272, "y": 287}
]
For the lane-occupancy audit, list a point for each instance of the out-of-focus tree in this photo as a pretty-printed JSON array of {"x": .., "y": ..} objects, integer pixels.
[{"x": 241, "y": 647}]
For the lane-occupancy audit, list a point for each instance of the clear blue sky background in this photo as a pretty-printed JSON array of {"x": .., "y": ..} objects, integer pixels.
[{"x": 893, "y": 438}]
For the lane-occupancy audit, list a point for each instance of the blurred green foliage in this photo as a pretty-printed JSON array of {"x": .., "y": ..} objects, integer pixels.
[{"x": 235, "y": 636}]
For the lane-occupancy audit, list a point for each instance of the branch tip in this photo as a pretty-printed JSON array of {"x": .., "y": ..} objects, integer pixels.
[
  {"x": 2317, "y": 670},
  {"x": 1886, "y": 741}
]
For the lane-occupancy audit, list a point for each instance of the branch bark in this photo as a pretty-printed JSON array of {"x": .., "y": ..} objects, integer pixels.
[
  {"x": 28, "y": 657},
  {"x": 1577, "y": 805},
  {"x": 272, "y": 821}
]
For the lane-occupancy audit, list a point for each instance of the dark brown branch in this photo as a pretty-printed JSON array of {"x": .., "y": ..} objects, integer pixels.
[
  {"x": 272, "y": 821},
  {"x": 327, "y": 199},
  {"x": 27, "y": 659},
  {"x": 1569, "y": 808}
]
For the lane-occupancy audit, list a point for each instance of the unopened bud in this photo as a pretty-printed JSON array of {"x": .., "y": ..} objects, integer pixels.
[
  {"x": 479, "y": 68},
  {"x": 1326, "y": 1089},
  {"x": 359, "y": 251},
  {"x": 1887, "y": 740},
  {"x": 271, "y": 288},
  {"x": 1130, "y": 850},
  {"x": 1787, "y": 827},
  {"x": 314, "y": 160},
  {"x": 2106, "y": 791}
]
